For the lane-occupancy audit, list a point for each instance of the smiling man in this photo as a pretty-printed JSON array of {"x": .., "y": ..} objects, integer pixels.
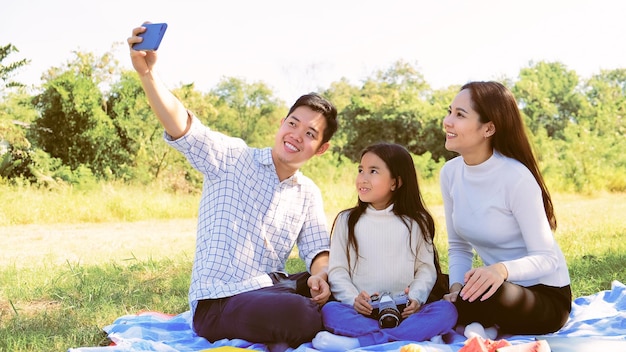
[{"x": 255, "y": 207}]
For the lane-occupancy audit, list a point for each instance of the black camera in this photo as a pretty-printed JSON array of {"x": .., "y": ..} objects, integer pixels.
[{"x": 388, "y": 308}]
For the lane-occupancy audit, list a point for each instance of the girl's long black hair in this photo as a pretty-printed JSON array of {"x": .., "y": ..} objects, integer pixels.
[{"x": 407, "y": 199}]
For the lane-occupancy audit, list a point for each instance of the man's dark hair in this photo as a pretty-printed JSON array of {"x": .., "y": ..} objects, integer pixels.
[{"x": 319, "y": 104}]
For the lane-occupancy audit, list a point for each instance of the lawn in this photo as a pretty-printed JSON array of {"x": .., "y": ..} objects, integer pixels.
[{"x": 62, "y": 282}]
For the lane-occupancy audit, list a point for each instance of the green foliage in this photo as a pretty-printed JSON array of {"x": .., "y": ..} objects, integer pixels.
[
  {"x": 74, "y": 127},
  {"x": 34, "y": 166},
  {"x": 142, "y": 154},
  {"x": 340, "y": 93},
  {"x": 80, "y": 198},
  {"x": 6, "y": 71},
  {"x": 15, "y": 114},
  {"x": 91, "y": 115},
  {"x": 247, "y": 111},
  {"x": 428, "y": 177},
  {"x": 67, "y": 306},
  {"x": 335, "y": 175},
  {"x": 547, "y": 93},
  {"x": 102, "y": 70},
  {"x": 394, "y": 107},
  {"x": 202, "y": 105},
  {"x": 606, "y": 94},
  {"x": 583, "y": 161}
]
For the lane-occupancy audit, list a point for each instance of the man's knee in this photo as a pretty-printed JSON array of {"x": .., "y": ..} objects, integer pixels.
[{"x": 301, "y": 321}]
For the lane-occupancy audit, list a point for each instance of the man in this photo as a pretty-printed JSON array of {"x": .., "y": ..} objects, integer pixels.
[{"x": 255, "y": 207}]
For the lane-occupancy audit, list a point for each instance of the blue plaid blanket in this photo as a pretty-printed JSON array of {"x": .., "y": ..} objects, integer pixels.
[{"x": 599, "y": 316}]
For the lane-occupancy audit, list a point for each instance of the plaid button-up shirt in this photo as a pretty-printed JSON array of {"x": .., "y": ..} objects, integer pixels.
[{"x": 248, "y": 221}]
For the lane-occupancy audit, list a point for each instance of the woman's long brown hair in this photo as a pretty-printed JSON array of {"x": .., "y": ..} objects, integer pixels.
[{"x": 496, "y": 103}]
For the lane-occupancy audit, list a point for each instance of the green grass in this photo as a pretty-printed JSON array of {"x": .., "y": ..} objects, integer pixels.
[
  {"x": 52, "y": 306},
  {"x": 109, "y": 202},
  {"x": 67, "y": 306}
]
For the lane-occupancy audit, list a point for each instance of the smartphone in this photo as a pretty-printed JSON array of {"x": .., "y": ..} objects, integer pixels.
[{"x": 151, "y": 37}]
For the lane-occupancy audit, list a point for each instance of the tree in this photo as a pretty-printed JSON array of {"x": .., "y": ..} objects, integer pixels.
[
  {"x": 606, "y": 94},
  {"x": 596, "y": 144},
  {"x": 548, "y": 97},
  {"x": 340, "y": 93},
  {"x": 144, "y": 155},
  {"x": 397, "y": 105},
  {"x": 15, "y": 115},
  {"x": 247, "y": 111},
  {"x": 73, "y": 125},
  {"x": 6, "y": 71},
  {"x": 142, "y": 150},
  {"x": 103, "y": 70},
  {"x": 203, "y": 105}
]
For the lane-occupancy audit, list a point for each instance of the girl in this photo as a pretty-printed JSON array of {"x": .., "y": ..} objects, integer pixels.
[
  {"x": 384, "y": 243},
  {"x": 497, "y": 204}
]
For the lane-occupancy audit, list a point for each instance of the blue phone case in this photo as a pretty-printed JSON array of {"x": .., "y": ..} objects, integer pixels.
[{"x": 151, "y": 37}]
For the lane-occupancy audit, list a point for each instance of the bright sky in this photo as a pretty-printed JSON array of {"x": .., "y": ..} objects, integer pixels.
[{"x": 300, "y": 46}]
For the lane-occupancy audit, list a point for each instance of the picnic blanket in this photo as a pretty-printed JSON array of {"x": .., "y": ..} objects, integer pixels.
[{"x": 595, "y": 320}]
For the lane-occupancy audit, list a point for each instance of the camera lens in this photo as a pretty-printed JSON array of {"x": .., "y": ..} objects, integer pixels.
[{"x": 389, "y": 318}]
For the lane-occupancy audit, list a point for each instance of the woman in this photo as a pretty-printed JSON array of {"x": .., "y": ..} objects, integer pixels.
[{"x": 497, "y": 204}]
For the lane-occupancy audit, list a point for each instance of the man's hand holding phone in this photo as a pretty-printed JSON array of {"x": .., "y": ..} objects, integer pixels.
[
  {"x": 151, "y": 37},
  {"x": 143, "y": 43}
]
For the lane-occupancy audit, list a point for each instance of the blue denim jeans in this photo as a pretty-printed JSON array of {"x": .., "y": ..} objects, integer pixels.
[{"x": 432, "y": 319}]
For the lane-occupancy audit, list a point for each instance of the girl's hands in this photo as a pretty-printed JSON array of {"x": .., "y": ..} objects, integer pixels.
[
  {"x": 362, "y": 303},
  {"x": 412, "y": 307}
]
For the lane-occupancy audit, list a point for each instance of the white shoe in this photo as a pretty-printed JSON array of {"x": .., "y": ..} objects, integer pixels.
[
  {"x": 329, "y": 342},
  {"x": 475, "y": 329}
]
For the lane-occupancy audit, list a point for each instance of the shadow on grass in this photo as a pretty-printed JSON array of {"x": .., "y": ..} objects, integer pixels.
[
  {"x": 54, "y": 309},
  {"x": 594, "y": 273}
]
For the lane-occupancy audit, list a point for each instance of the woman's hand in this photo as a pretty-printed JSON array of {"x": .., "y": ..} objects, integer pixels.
[{"x": 483, "y": 282}]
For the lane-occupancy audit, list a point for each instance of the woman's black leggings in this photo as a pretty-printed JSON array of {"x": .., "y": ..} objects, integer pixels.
[{"x": 519, "y": 310}]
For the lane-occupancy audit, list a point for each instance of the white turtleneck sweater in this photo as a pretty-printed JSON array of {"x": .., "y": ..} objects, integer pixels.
[
  {"x": 387, "y": 260},
  {"x": 496, "y": 208}
]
